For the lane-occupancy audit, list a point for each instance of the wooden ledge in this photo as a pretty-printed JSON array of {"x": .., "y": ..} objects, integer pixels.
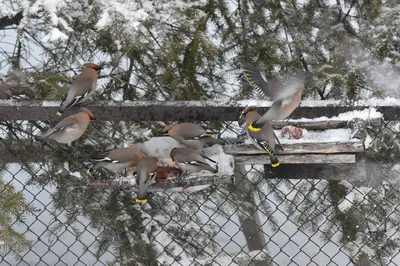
[
  {"x": 182, "y": 110},
  {"x": 300, "y": 148},
  {"x": 164, "y": 185}
]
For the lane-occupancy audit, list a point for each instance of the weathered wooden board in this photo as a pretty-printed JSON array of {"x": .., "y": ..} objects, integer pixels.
[
  {"x": 298, "y": 159},
  {"x": 165, "y": 185},
  {"x": 300, "y": 148}
]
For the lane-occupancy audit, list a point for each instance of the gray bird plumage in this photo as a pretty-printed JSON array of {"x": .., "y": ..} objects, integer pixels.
[
  {"x": 263, "y": 139},
  {"x": 117, "y": 160},
  {"x": 285, "y": 95},
  {"x": 146, "y": 170},
  {"x": 190, "y": 160},
  {"x": 191, "y": 135},
  {"x": 82, "y": 87},
  {"x": 70, "y": 128}
]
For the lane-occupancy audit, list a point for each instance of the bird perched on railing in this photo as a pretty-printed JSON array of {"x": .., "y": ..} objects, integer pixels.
[
  {"x": 285, "y": 95},
  {"x": 117, "y": 160},
  {"x": 191, "y": 161},
  {"x": 264, "y": 139},
  {"x": 70, "y": 128},
  {"x": 146, "y": 170},
  {"x": 191, "y": 135},
  {"x": 82, "y": 87}
]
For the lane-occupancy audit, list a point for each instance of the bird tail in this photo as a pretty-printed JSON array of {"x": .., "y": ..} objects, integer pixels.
[
  {"x": 216, "y": 170},
  {"x": 208, "y": 134},
  {"x": 251, "y": 72},
  {"x": 63, "y": 106},
  {"x": 274, "y": 161},
  {"x": 44, "y": 136},
  {"x": 141, "y": 196}
]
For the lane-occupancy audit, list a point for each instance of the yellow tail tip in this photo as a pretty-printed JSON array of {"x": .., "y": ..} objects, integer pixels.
[
  {"x": 141, "y": 200},
  {"x": 209, "y": 134},
  {"x": 218, "y": 173},
  {"x": 88, "y": 171},
  {"x": 254, "y": 129},
  {"x": 275, "y": 164},
  {"x": 59, "y": 114}
]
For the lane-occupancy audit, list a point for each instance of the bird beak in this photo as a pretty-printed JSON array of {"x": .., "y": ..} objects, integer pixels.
[{"x": 99, "y": 69}]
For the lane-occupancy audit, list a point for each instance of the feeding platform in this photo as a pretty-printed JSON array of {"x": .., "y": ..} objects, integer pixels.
[{"x": 323, "y": 158}]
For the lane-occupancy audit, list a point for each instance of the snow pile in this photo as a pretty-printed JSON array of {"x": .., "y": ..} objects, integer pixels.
[
  {"x": 366, "y": 114},
  {"x": 161, "y": 147},
  {"x": 311, "y": 136}
]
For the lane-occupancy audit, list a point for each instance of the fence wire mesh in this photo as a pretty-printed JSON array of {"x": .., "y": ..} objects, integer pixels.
[{"x": 50, "y": 216}]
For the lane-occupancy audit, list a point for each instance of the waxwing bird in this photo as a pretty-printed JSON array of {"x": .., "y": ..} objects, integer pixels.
[
  {"x": 285, "y": 95},
  {"x": 146, "y": 170},
  {"x": 191, "y": 135},
  {"x": 82, "y": 87},
  {"x": 263, "y": 139},
  {"x": 117, "y": 160},
  {"x": 190, "y": 160},
  {"x": 70, "y": 128}
]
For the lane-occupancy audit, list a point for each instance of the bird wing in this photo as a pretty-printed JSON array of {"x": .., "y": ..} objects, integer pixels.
[
  {"x": 289, "y": 87},
  {"x": 80, "y": 91},
  {"x": 67, "y": 124},
  {"x": 257, "y": 79},
  {"x": 194, "y": 132},
  {"x": 272, "y": 88},
  {"x": 151, "y": 176},
  {"x": 123, "y": 155},
  {"x": 82, "y": 85},
  {"x": 271, "y": 114},
  {"x": 195, "y": 158}
]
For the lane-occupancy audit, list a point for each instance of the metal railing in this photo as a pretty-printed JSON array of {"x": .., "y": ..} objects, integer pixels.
[{"x": 51, "y": 215}]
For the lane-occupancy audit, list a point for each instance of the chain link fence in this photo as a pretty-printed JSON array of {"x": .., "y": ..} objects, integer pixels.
[{"x": 49, "y": 215}]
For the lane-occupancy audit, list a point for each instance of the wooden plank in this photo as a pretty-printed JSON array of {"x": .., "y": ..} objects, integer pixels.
[
  {"x": 321, "y": 125},
  {"x": 179, "y": 110},
  {"x": 27, "y": 151},
  {"x": 351, "y": 172},
  {"x": 164, "y": 185},
  {"x": 300, "y": 148},
  {"x": 296, "y": 159}
]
